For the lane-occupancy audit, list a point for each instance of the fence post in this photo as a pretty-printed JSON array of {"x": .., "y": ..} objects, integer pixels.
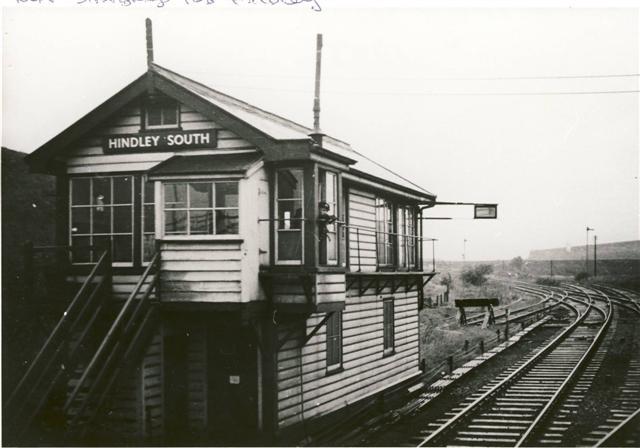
[
  {"x": 450, "y": 362},
  {"x": 498, "y": 334},
  {"x": 28, "y": 274},
  {"x": 481, "y": 345},
  {"x": 466, "y": 345}
]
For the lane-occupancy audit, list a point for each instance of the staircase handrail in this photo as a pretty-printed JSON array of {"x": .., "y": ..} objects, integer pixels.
[{"x": 111, "y": 333}]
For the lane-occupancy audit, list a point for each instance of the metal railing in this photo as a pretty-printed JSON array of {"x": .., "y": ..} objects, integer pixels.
[
  {"x": 412, "y": 245},
  {"x": 104, "y": 366}
]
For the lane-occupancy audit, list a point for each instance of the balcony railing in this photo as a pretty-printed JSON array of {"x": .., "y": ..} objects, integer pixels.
[{"x": 412, "y": 245}]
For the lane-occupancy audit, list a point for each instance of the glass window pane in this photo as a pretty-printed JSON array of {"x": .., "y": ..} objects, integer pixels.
[
  {"x": 227, "y": 222},
  {"x": 122, "y": 248},
  {"x": 200, "y": 195},
  {"x": 122, "y": 219},
  {"x": 149, "y": 192},
  {"x": 290, "y": 184},
  {"x": 80, "y": 255},
  {"x": 80, "y": 220},
  {"x": 170, "y": 114},
  {"x": 290, "y": 214},
  {"x": 101, "y": 219},
  {"x": 332, "y": 246},
  {"x": 101, "y": 190},
  {"x": 289, "y": 245},
  {"x": 154, "y": 115},
  {"x": 201, "y": 222},
  {"x": 226, "y": 194},
  {"x": 175, "y": 222},
  {"x": 149, "y": 218},
  {"x": 122, "y": 190},
  {"x": 100, "y": 243},
  {"x": 80, "y": 191},
  {"x": 175, "y": 195},
  {"x": 148, "y": 247}
]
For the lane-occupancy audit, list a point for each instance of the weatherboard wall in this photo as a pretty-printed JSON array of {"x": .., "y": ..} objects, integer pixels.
[
  {"x": 307, "y": 390},
  {"x": 220, "y": 269},
  {"x": 89, "y": 157}
]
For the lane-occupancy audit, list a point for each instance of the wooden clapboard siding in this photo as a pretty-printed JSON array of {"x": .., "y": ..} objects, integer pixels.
[
  {"x": 152, "y": 389},
  {"x": 122, "y": 285},
  {"x": 88, "y": 156},
  {"x": 302, "y": 371},
  {"x": 330, "y": 287},
  {"x": 180, "y": 261},
  {"x": 362, "y": 213}
]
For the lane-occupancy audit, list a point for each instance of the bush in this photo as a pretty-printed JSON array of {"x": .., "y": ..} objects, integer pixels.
[
  {"x": 547, "y": 281},
  {"x": 580, "y": 276},
  {"x": 476, "y": 276}
]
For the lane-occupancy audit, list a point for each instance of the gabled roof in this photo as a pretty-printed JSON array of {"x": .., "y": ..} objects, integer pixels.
[{"x": 264, "y": 129}]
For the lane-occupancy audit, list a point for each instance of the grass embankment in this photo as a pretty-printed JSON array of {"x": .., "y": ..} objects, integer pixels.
[{"x": 441, "y": 335}]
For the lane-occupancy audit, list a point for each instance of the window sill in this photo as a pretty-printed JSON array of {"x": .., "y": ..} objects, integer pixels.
[
  {"x": 389, "y": 352},
  {"x": 195, "y": 238},
  {"x": 332, "y": 370}
]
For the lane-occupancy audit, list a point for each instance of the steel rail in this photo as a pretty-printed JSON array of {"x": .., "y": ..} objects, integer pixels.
[
  {"x": 623, "y": 425},
  {"x": 577, "y": 369},
  {"x": 459, "y": 417}
]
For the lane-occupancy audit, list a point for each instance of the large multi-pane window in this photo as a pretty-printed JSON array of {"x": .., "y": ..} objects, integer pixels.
[
  {"x": 102, "y": 215},
  {"x": 388, "y": 329},
  {"x": 329, "y": 196},
  {"x": 148, "y": 221},
  {"x": 201, "y": 208},
  {"x": 290, "y": 215},
  {"x": 334, "y": 341},
  {"x": 384, "y": 230}
]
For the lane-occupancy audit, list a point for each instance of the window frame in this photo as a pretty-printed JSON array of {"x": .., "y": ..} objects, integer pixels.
[
  {"x": 276, "y": 228},
  {"x": 188, "y": 209},
  {"x": 143, "y": 203},
  {"x": 132, "y": 206},
  {"x": 338, "y": 365},
  {"x": 335, "y": 234},
  {"x": 389, "y": 243},
  {"x": 161, "y": 102},
  {"x": 388, "y": 326}
]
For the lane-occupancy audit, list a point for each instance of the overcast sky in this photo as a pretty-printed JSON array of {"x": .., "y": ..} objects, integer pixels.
[{"x": 430, "y": 93}]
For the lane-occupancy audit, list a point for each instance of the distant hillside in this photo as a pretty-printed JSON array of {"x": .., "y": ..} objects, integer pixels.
[
  {"x": 28, "y": 213},
  {"x": 624, "y": 250},
  {"x": 28, "y": 207}
]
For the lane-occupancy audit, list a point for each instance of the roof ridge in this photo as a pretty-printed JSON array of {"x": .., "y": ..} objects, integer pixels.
[{"x": 248, "y": 106}]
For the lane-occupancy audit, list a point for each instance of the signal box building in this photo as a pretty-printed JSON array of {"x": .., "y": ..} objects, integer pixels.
[{"x": 251, "y": 278}]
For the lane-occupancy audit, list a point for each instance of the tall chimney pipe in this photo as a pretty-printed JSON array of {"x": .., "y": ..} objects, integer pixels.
[
  {"x": 317, "y": 133},
  {"x": 149, "y": 42}
]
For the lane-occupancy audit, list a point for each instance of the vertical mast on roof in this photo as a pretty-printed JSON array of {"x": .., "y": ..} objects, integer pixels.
[
  {"x": 149, "y": 42},
  {"x": 317, "y": 133}
]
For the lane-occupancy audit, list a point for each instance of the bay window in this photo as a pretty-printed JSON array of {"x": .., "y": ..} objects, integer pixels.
[
  {"x": 102, "y": 215},
  {"x": 201, "y": 208},
  {"x": 290, "y": 215}
]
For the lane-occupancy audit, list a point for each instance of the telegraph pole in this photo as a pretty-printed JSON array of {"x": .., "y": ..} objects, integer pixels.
[
  {"x": 586, "y": 252},
  {"x": 595, "y": 255},
  {"x": 464, "y": 251}
]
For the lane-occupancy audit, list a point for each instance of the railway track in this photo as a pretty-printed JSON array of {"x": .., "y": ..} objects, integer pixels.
[{"x": 517, "y": 408}]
